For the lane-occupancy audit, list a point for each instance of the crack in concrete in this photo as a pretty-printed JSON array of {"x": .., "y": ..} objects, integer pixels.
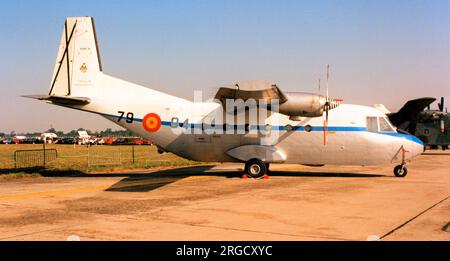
[
  {"x": 267, "y": 232},
  {"x": 42, "y": 231}
]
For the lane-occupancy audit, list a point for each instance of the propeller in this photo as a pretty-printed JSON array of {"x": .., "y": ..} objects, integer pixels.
[
  {"x": 329, "y": 104},
  {"x": 326, "y": 107},
  {"x": 441, "y": 121}
]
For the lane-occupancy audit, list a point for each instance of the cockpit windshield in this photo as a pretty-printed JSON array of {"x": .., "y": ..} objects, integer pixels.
[
  {"x": 379, "y": 124},
  {"x": 385, "y": 124}
]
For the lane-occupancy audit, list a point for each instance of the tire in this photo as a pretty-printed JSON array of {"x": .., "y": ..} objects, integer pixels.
[
  {"x": 400, "y": 171},
  {"x": 255, "y": 168}
]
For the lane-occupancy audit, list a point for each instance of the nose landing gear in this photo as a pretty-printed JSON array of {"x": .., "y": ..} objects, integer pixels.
[{"x": 400, "y": 171}]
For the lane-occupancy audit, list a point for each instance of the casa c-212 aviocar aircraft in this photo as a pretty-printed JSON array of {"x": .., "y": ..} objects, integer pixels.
[{"x": 293, "y": 127}]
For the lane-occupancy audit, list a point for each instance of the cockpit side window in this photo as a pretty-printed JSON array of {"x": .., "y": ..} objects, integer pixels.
[
  {"x": 372, "y": 124},
  {"x": 384, "y": 125}
]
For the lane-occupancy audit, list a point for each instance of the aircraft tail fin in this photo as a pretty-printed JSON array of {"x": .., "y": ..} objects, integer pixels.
[{"x": 78, "y": 60}]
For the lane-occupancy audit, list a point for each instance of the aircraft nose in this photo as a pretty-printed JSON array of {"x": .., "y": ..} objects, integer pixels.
[{"x": 417, "y": 146}]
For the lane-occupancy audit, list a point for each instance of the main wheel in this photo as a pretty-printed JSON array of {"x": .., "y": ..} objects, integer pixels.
[
  {"x": 400, "y": 171},
  {"x": 255, "y": 168}
]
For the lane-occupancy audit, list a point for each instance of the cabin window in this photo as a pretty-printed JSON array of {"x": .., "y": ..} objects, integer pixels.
[
  {"x": 372, "y": 124},
  {"x": 268, "y": 128},
  {"x": 308, "y": 128},
  {"x": 174, "y": 122}
]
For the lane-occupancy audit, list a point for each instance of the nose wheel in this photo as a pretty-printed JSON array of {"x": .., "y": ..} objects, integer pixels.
[
  {"x": 255, "y": 168},
  {"x": 400, "y": 171}
]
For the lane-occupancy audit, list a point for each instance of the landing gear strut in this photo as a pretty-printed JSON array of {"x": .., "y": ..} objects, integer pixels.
[
  {"x": 255, "y": 168},
  {"x": 400, "y": 171}
]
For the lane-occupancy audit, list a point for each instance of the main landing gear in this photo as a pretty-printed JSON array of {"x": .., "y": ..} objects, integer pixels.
[
  {"x": 256, "y": 168},
  {"x": 400, "y": 171}
]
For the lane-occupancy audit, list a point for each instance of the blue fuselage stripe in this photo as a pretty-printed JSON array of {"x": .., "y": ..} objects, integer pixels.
[{"x": 403, "y": 136}]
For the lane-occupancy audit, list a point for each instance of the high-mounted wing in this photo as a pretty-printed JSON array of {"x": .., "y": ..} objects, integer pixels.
[
  {"x": 257, "y": 90},
  {"x": 293, "y": 104}
]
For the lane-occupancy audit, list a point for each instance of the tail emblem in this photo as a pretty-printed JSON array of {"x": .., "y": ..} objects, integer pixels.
[
  {"x": 83, "y": 68},
  {"x": 151, "y": 122}
]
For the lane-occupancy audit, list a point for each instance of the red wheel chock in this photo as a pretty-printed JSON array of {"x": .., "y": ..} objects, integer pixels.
[{"x": 245, "y": 176}]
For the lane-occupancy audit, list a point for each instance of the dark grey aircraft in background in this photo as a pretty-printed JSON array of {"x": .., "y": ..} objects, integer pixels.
[{"x": 431, "y": 126}]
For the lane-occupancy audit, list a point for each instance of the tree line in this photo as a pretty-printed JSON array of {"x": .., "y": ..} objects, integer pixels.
[{"x": 104, "y": 133}]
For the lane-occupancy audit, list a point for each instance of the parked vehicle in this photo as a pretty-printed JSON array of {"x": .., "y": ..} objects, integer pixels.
[
  {"x": 8, "y": 141},
  {"x": 67, "y": 140},
  {"x": 131, "y": 141},
  {"x": 49, "y": 137}
]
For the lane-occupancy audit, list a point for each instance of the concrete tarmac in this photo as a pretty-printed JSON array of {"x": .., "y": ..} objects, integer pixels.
[{"x": 213, "y": 202}]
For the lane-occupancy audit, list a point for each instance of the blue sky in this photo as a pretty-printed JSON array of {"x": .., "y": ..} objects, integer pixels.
[{"x": 380, "y": 51}]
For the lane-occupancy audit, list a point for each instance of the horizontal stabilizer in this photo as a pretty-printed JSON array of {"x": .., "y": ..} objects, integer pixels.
[{"x": 64, "y": 100}]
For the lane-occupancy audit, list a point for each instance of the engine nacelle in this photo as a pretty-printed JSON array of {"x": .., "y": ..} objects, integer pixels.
[{"x": 303, "y": 104}]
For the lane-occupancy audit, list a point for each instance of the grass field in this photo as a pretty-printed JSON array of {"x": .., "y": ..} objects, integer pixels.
[{"x": 85, "y": 159}]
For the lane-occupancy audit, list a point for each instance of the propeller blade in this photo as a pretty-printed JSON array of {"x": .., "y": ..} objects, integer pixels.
[
  {"x": 325, "y": 122},
  {"x": 327, "y": 108},
  {"x": 328, "y": 77},
  {"x": 441, "y": 105}
]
